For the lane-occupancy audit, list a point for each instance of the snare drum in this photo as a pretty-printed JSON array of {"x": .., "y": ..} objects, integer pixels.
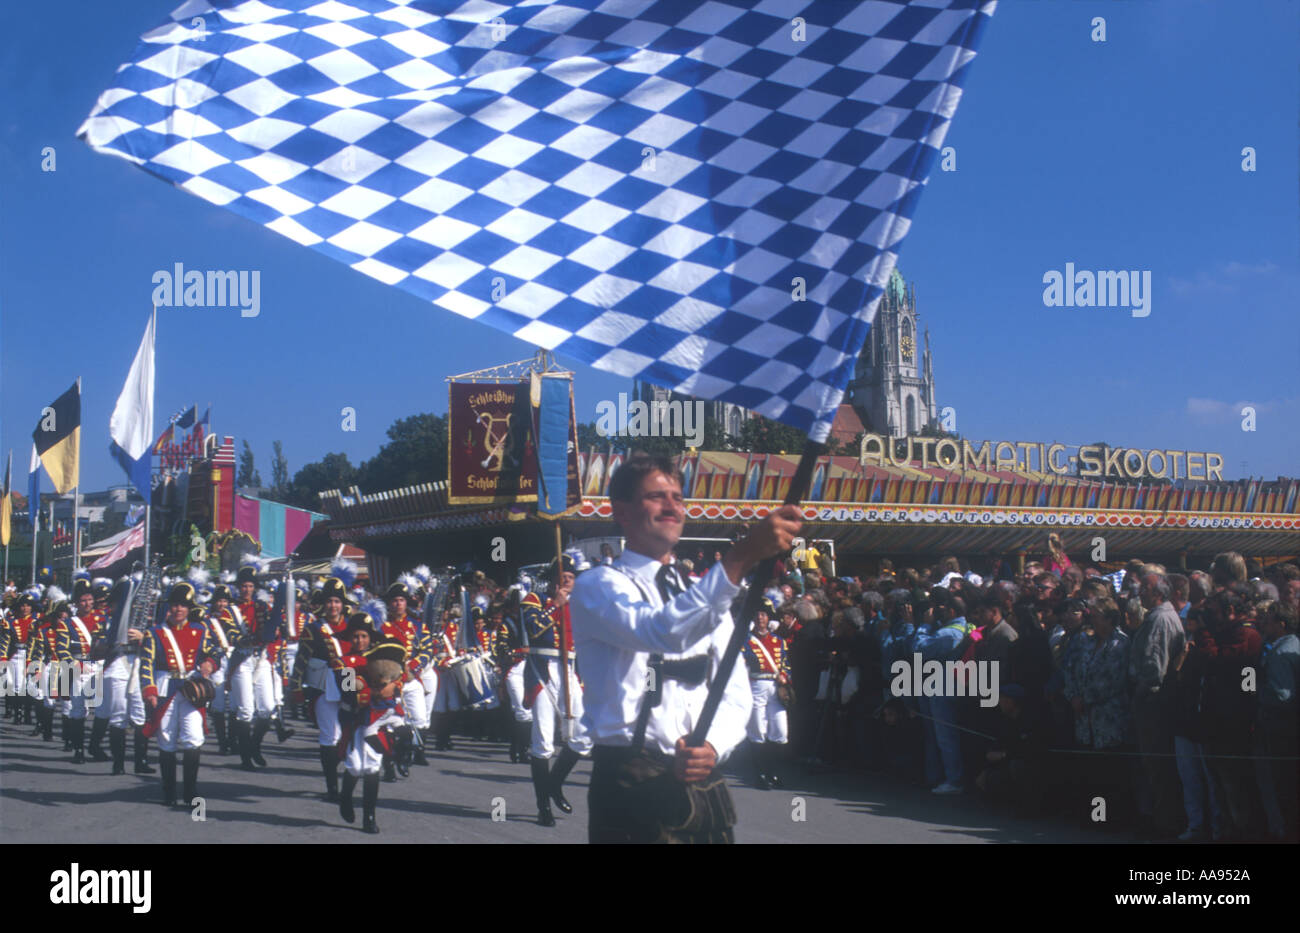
[{"x": 476, "y": 681}]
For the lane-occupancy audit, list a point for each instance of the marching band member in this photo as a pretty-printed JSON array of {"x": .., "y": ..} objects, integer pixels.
[
  {"x": 173, "y": 653},
  {"x": 511, "y": 659},
  {"x": 250, "y": 681},
  {"x": 374, "y": 723},
  {"x": 316, "y": 673},
  {"x": 418, "y": 645},
  {"x": 447, "y": 698},
  {"x": 292, "y": 635},
  {"x": 271, "y": 697},
  {"x": 14, "y": 638},
  {"x": 769, "y": 673},
  {"x": 548, "y": 632},
  {"x": 122, "y": 701},
  {"x": 637, "y": 624},
  {"x": 73, "y": 641},
  {"x": 483, "y": 642},
  {"x": 41, "y": 652},
  {"x": 225, "y": 632}
]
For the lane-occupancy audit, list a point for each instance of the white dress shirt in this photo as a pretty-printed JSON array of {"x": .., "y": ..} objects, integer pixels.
[{"x": 617, "y": 625}]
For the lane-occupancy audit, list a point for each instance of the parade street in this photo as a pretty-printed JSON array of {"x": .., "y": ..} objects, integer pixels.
[{"x": 449, "y": 801}]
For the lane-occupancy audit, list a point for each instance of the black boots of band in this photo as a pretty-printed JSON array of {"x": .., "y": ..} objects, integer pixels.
[
  {"x": 47, "y": 730},
  {"x": 282, "y": 732},
  {"x": 522, "y": 739},
  {"x": 65, "y": 732},
  {"x": 242, "y": 737},
  {"x": 117, "y": 748},
  {"x": 442, "y": 729},
  {"x": 97, "y": 733},
  {"x": 189, "y": 776},
  {"x": 417, "y": 750},
  {"x": 329, "y": 762},
  {"x": 369, "y": 797},
  {"x": 141, "y": 748},
  {"x": 219, "y": 724},
  {"x": 345, "y": 799},
  {"x": 167, "y": 762},
  {"x": 541, "y": 768},
  {"x": 767, "y": 760},
  {"x": 77, "y": 739},
  {"x": 260, "y": 728},
  {"x": 564, "y": 763},
  {"x": 775, "y": 759}
]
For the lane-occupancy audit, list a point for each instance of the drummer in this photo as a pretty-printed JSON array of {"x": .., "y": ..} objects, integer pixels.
[{"x": 482, "y": 715}]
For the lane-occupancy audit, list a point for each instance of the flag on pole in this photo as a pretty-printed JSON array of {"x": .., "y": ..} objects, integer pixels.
[
  {"x": 58, "y": 439},
  {"x": 131, "y": 425},
  {"x": 6, "y": 506},
  {"x": 34, "y": 492},
  {"x": 127, "y": 542},
  {"x": 707, "y": 197}
]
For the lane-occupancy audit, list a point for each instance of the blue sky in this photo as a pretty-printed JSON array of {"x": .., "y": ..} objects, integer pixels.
[{"x": 1117, "y": 155}]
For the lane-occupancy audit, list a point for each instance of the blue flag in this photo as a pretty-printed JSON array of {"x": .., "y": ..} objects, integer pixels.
[{"x": 710, "y": 197}]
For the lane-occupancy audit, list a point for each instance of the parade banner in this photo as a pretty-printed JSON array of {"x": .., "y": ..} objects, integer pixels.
[
  {"x": 556, "y": 428},
  {"x": 491, "y": 449}
]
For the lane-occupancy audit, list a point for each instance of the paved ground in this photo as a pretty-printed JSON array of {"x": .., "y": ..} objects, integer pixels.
[{"x": 44, "y": 797}]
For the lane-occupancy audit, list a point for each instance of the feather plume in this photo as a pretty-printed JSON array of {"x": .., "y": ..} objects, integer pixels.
[{"x": 345, "y": 570}]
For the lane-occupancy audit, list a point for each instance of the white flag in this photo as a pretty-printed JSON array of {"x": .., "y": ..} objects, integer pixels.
[{"x": 131, "y": 427}]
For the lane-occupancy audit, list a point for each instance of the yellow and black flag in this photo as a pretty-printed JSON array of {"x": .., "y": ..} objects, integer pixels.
[
  {"x": 6, "y": 505},
  {"x": 58, "y": 438}
]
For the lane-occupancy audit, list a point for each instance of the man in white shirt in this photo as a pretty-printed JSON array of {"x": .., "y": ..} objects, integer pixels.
[{"x": 648, "y": 645}]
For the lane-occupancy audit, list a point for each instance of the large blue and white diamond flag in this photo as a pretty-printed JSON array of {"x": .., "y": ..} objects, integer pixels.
[{"x": 707, "y": 196}]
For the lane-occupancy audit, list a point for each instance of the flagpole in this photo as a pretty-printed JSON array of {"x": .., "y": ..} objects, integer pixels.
[
  {"x": 799, "y": 484},
  {"x": 9, "y": 473}
]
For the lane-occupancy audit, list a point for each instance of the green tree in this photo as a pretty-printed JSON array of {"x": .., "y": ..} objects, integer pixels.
[
  {"x": 762, "y": 436},
  {"x": 416, "y": 452},
  {"x": 279, "y": 471},
  {"x": 333, "y": 471},
  {"x": 247, "y": 475}
]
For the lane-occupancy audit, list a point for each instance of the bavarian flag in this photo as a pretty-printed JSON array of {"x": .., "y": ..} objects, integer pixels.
[{"x": 58, "y": 438}]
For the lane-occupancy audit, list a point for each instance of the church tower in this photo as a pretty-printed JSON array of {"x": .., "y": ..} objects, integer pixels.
[{"x": 893, "y": 383}]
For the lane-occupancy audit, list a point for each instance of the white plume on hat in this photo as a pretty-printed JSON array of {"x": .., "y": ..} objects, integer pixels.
[
  {"x": 376, "y": 609},
  {"x": 101, "y": 581},
  {"x": 263, "y": 596},
  {"x": 422, "y": 573},
  {"x": 410, "y": 581},
  {"x": 227, "y": 576},
  {"x": 198, "y": 577}
]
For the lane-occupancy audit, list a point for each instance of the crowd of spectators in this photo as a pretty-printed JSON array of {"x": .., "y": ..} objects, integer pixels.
[{"x": 1139, "y": 700}]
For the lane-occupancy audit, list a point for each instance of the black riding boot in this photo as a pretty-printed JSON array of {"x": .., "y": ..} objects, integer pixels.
[
  {"x": 524, "y": 736},
  {"x": 390, "y": 770},
  {"x": 243, "y": 740},
  {"x": 260, "y": 728},
  {"x": 97, "y": 733},
  {"x": 542, "y": 789},
  {"x": 117, "y": 746},
  {"x": 141, "y": 743},
  {"x": 65, "y": 732},
  {"x": 345, "y": 800},
  {"x": 29, "y": 710},
  {"x": 223, "y": 737},
  {"x": 775, "y": 755},
  {"x": 443, "y": 730},
  {"x": 167, "y": 762},
  {"x": 77, "y": 729},
  {"x": 329, "y": 762},
  {"x": 758, "y": 754},
  {"x": 190, "y": 776},
  {"x": 369, "y": 797},
  {"x": 47, "y": 730},
  {"x": 563, "y": 765},
  {"x": 282, "y": 732}
]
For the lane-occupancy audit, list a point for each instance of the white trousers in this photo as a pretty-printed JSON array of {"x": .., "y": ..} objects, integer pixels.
[
  {"x": 515, "y": 687},
  {"x": 83, "y": 691},
  {"x": 360, "y": 757},
  {"x": 548, "y": 708},
  {"x": 219, "y": 696},
  {"x": 417, "y": 709},
  {"x": 768, "y": 722},
  {"x": 252, "y": 693},
  {"x": 327, "y": 720},
  {"x": 123, "y": 703},
  {"x": 182, "y": 724}
]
